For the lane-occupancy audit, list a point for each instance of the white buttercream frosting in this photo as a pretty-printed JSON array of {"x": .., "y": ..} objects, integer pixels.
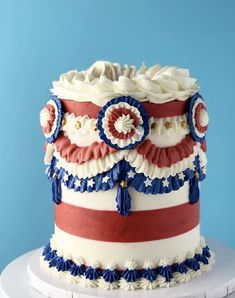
[
  {"x": 107, "y": 285},
  {"x": 104, "y": 80},
  {"x": 147, "y": 284},
  {"x": 125, "y": 285},
  {"x": 124, "y": 124}
]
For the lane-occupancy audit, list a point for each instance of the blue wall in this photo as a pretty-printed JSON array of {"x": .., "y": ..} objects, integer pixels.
[{"x": 41, "y": 39}]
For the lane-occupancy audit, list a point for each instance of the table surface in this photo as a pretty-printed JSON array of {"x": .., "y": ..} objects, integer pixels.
[{"x": 215, "y": 284}]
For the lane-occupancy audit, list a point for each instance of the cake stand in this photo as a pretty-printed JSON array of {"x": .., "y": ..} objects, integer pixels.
[{"x": 18, "y": 276}]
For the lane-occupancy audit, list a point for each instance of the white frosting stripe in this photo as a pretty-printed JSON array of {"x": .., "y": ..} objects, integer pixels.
[
  {"x": 151, "y": 251},
  {"x": 107, "y": 200}
]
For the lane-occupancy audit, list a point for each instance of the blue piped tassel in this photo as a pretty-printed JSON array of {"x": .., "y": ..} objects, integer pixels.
[
  {"x": 123, "y": 199},
  {"x": 194, "y": 189},
  {"x": 56, "y": 189}
]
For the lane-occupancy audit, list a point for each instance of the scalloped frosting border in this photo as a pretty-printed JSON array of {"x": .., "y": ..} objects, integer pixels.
[{"x": 147, "y": 276}]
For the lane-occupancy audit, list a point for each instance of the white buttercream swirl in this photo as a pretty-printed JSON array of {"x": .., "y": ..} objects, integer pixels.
[
  {"x": 105, "y": 80},
  {"x": 124, "y": 124}
]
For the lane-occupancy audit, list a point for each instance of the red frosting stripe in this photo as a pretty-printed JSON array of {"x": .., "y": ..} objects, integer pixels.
[
  {"x": 161, "y": 157},
  {"x": 80, "y": 108},
  {"x": 139, "y": 226},
  {"x": 165, "y": 157},
  {"x": 168, "y": 109}
]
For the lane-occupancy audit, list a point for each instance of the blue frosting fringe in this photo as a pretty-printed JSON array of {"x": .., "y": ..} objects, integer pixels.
[
  {"x": 111, "y": 276},
  {"x": 120, "y": 172}
]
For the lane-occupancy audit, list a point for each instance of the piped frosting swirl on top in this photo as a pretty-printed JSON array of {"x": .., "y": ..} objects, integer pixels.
[{"x": 104, "y": 80}]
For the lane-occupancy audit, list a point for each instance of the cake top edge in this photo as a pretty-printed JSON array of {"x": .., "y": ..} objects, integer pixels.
[{"x": 105, "y": 80}]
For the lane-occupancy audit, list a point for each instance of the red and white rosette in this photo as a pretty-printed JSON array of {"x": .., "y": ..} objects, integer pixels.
[
  {"x": 198, "y": 118},
  {"x": 123, "y": 123},
  {"x": 50, "y": 119}
]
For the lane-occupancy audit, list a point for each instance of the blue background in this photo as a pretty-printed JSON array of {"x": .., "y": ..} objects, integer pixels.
[{"x": 41, "y": 39}]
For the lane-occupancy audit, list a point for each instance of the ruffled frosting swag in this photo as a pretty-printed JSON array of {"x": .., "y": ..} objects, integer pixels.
[{"x": 161, "y": 157}]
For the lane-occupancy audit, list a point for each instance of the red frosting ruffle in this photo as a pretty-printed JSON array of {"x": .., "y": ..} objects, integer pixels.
[
  {"x": 165, "y": 157},
  {"x": 161, "y": 157},
  {"x": 79, "y": 155}
]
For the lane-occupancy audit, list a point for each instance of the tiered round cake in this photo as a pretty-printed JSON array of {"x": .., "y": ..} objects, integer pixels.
[{"x": 125, "y": 153}]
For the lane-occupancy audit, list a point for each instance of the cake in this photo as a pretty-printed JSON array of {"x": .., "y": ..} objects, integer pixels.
[{"x": 125, "y": 152}]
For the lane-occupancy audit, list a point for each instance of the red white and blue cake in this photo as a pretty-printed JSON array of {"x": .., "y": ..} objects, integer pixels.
[{"x": 125, "y": 153}]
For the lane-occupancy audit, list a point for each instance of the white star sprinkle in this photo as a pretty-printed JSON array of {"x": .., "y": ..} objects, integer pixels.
[
  {"x": 165, "y": 182},
  {"x": 90, "y": 183},
  {"x": 181, "y": 176},
  {"x": 77, "y": 183},
  {"x": 105, "y": 179},
  {"x": 148, "y": 182},
  {"x": 66, "y": 177},
  {"x": 131, "y": 174}
]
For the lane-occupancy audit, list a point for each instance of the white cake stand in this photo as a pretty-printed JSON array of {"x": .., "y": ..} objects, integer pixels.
[{"x": 18, "y": 276}]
